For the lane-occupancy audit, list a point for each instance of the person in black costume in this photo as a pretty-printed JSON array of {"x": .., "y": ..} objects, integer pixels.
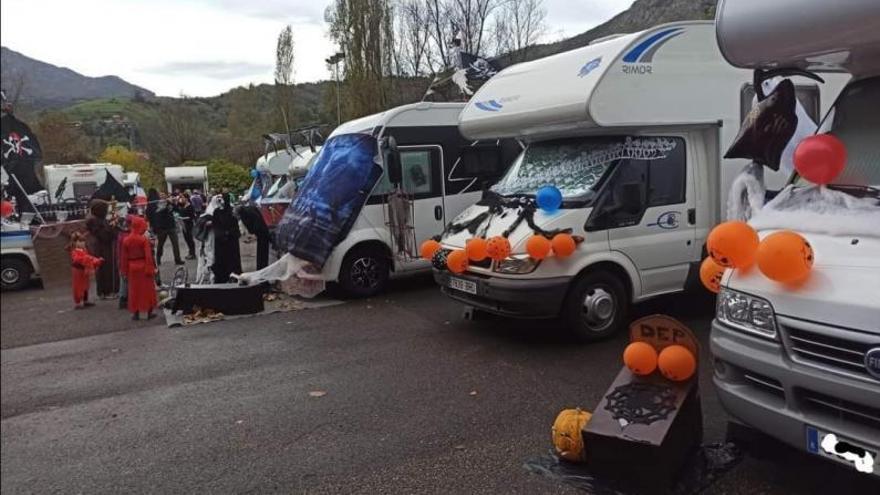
[
  {"x": 164, "y": 225},
  {"x": 253, "y": 221},
  {"x": 227, "y": 255},
  {"x": 187, "y": 214}
]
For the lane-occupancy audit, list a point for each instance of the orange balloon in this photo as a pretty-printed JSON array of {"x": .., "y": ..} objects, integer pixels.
[
  {"x": 733, "y": 244},
  {"x": 476, "y": 249},
  {"x": 498, "y": 248},
  {"x": 563, "y": 245},
  {"x": 711, "y": 273},
  {"x": 677, "y": 363},
  {"x": 538, "y": 247},
  {"x": 640, "y": 358},
  {"x": 457, "y": 261},
  {"x": 428, "y": 248},
  {"x": 785, "y": 257}
]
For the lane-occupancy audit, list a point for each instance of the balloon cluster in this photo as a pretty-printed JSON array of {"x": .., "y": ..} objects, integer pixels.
[
  {"x": 497, "y": 248},
  {"x": 675, "y": 362},
  {"x": 562, "y": 246},
  {"x": 783, "y": 256}
]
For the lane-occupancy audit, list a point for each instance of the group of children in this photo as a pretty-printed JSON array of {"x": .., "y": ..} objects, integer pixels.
[{"x": 136, "y": 266}]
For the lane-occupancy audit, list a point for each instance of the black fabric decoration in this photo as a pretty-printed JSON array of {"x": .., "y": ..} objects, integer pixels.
[
  {"x": 640, "y": 402},
  {"x": 767, "y": 128},
  {"x": 439, "y": 259},
  {"x": 20, "y": 152},
  {"x": 500, "y": 205},
  {"x": 111, "y": 189}
]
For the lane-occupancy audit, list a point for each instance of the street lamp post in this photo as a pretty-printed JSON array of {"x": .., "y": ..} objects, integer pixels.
[{"x": 334, "y": 61}]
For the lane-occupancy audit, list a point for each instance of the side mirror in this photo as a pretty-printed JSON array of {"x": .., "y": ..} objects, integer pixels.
[
  {"x": 392, "y": 160},
  {"x": 631, "y": 201}
]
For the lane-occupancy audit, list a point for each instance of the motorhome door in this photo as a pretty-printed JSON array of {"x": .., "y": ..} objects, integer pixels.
[{"x": 650, "y": 211}]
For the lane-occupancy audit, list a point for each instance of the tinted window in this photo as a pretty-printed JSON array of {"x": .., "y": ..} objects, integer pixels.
[{"x": 667, "y": 178}]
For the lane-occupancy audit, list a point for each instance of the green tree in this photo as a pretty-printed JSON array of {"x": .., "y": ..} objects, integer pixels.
[
  {"x": 132, "y": 161},
  {"x": 284, "y": 76},
  {"x": 223, "y": 174},
  {"x": 63, "y": 141}
]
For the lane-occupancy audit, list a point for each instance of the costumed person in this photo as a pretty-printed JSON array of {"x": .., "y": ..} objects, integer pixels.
[
  {"x": 101, "y": 242},
  {"x": 124, "y": 230},
  {"x": 187, "y": 215},
  {"x": 82, "y": 266},
  {"x": 139, "y": 268},
  {"x": 164, "y": 225},
  {"x": 253, "y": 221},
  {"x": 227, "y": 254},
  {"x": 204, "y": 234}
]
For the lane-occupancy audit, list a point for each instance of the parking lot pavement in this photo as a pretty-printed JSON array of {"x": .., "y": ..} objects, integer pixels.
[{"x": 392, "y": 394}]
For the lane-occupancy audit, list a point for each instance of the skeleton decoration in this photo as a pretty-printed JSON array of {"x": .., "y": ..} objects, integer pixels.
[{"x": 204, "y": 233}]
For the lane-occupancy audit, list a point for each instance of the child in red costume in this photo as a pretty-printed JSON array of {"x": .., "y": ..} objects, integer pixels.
[
  {"x": 137, "y": 265},
  {"x": 82, "y": 267}
]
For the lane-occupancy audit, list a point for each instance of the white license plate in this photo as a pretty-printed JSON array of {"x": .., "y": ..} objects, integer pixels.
[
  {"x": 832, "y": 446},
  {"x": 463, "y": 285}
]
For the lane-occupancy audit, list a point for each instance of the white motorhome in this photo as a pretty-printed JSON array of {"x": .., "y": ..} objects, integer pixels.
[
  {"x": 288, "y": 175},
  {"x": 802, "y": 364},
  {"x": 416, "y": 149},
  {"x": 77, "y": 181},
  {"x": 632, "y": 129},
  {"x": 182, "y": 178}
]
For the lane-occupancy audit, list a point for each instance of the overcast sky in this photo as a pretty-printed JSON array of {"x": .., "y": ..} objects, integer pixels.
[{"x": 203, "y": 47}]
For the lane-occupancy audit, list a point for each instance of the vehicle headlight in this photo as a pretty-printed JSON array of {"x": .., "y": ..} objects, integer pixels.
[
  {"x": 517, "y": 265},
  {"x": 748, "y": 313}
]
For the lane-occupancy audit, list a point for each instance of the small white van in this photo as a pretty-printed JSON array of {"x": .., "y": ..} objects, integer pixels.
[
  {"x": 632, "y": 129},
  {"x": 416, "y": 149}
]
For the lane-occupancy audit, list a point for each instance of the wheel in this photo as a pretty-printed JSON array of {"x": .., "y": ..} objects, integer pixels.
[
  {"x": 596, "y": 307},
  {"x": 15, "y": 273},
  {"x": 364, "y": 272}
]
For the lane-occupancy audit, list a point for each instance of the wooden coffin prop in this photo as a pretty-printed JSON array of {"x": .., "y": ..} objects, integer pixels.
[
  {"x": 645, "y": 428},
  {"x": 229, "y": 299},
  {"x": 50, "y": 245}
]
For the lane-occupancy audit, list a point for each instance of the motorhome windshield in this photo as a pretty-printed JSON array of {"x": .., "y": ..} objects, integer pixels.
[
  {"x": 855, "y": 121},
  {"x": 576, "y": 165}
]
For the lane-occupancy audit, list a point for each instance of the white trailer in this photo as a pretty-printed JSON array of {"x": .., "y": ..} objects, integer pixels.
[
  {"x": 182, "y": 178},
  {"x": 633, "y": 130},
  {"x": 77, "y": 181}
]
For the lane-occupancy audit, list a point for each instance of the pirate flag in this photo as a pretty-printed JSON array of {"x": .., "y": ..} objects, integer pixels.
[
  {"x": 111, "y": 189},
  {"x": 768, "y": 128},
  {"x": 21, "y": 152},
  {"x": 469, "y": 71}
]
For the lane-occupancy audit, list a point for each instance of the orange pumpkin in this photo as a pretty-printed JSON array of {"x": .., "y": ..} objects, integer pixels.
[
  {"x": 785, "y": 257},
  {"x": 498, "y": 248},
  {"x": 429, "y": 248},
  {"x": 711, "y": 273},
  {"x": 676, "y": 363},
  {"x": 457, "y": 261},
  {"x": 538, "y": 247},
  {"x": 640, "y": 358},
  {"x": 567, "y": 436},
  {"x": 733, "y": 244},
  {"x": 563, "y": 245},
  {"x": 476, "y": 249}
]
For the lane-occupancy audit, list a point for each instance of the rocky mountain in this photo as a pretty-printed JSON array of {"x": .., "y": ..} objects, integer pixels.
[{"x": 42, "y": 85}]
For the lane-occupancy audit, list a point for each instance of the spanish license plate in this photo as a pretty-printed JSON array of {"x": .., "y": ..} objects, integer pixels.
[
  {"x": 832, "y": 446},
  {"x": 463, "y": 285}
]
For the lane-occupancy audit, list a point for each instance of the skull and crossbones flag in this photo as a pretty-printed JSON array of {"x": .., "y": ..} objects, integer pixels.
[{"x": 20, "y": 152}]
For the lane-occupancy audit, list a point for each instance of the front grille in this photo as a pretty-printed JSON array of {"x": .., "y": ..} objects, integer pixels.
[
  {"x": 840, "y": 353},
  {"x": 842, "y": 409}
]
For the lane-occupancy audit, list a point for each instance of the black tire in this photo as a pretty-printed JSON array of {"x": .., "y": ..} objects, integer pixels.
[
  {"x": 596, "y": 321},
  {"x": 364, "y": 272},
  {"x": 15, "y": 273}
]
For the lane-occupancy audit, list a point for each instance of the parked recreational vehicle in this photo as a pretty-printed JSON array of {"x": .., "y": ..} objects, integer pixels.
[
  {"x": 803, "y": 364},
  {"x": 78, "y": 181},
  {"x": 632, "y": 130},
  {"x": 182, "y": 178},
  {"x": 379, "y": 184},
  {"x": 287, "y": 179}
]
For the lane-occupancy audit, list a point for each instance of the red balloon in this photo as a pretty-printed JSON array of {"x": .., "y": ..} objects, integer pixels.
[
  {"x": 820, "y": 158},
  {"x": 6, "y": 209}
]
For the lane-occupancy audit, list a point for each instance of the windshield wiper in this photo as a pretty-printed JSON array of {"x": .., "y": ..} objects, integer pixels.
[{"x": 857, "y": 190}]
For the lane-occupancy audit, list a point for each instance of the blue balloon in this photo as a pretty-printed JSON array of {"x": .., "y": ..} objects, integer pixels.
[
  {"x": 549, "y": 198},
  {"x": 254, "y": 173}
]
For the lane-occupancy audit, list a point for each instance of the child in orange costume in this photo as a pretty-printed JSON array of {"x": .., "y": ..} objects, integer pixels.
[
  {"x": 82, "y": 267},
  {"x": 137, "y": 265}
]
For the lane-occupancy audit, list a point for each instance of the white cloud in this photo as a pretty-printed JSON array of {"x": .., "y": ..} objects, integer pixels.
[{"x": 202, "y": 47}]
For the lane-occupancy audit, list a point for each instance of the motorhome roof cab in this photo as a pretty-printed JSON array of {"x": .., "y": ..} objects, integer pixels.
[
  {"x": 802, "y": 363},
  {"x": 382, "y": 238},
  {"x": 82, "y": 179},
  {"x": 182, "y": 178},
  {"x": 632, "y": 130}
]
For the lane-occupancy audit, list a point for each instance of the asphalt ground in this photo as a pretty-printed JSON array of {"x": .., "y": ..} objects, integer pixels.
[{"x": 395, "y": 394}]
